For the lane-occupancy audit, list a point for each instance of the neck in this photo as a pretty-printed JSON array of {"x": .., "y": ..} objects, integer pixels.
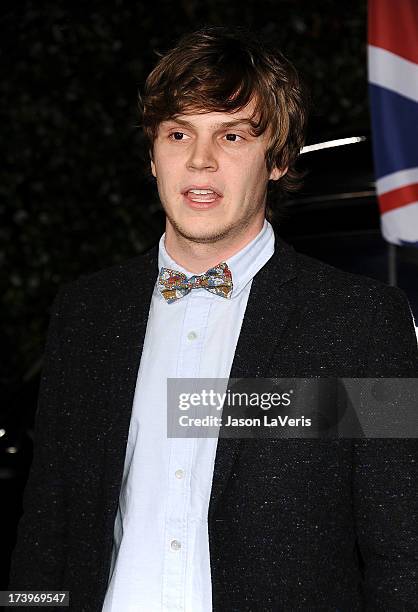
[{"x": 197, "y": 257}]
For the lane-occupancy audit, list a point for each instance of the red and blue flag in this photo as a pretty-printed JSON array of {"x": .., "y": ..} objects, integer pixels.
[{"x": 393, "y": 94}]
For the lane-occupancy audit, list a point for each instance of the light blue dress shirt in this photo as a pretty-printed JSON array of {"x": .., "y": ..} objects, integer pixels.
[{"x": 160, "y": 559}]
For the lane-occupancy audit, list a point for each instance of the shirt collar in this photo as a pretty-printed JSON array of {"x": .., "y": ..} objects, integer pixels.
[{"x": 244, "y": 265}]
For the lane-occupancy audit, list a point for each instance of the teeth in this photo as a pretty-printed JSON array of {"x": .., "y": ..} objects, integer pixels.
[{"x": 201, "y": 191}]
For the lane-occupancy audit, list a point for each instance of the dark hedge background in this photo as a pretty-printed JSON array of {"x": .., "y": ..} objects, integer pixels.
[{"x": 75, "y": 196}]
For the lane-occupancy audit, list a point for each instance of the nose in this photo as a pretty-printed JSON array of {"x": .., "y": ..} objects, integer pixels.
[{"x": 202, "y": 156}]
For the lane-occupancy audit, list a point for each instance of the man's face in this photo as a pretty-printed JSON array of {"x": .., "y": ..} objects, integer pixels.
[{"x": 203, "y": 152}]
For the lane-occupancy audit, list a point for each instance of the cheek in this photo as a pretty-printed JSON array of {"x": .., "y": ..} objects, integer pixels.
[
  {"x": 256, "y": 177},
  {"x": 167, "y": 174}
]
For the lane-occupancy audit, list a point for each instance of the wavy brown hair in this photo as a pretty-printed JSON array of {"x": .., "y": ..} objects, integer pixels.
[{"x": 222, "y": 69}]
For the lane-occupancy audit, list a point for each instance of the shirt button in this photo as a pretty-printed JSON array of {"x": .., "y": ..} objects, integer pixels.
[
  {"x": 175, "y": 545},
  {"x": 179, "y": 474},
  {"x": 192, "y": 335}
]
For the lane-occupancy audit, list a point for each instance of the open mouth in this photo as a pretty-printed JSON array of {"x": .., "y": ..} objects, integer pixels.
[{"x": 201, "y": 197}]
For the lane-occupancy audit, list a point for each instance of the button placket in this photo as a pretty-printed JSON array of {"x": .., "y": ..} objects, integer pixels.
[
  {"x": 192, "y": 335},
  {"x": 181, "y": 457}
]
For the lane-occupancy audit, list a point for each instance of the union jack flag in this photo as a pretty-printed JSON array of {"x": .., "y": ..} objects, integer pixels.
[{"x": 393, "y": 95}]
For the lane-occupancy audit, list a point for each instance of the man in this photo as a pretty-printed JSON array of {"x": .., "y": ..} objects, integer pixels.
[{"x": 126, "y": 518}]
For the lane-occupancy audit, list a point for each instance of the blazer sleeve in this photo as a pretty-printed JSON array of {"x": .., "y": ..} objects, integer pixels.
[
  {"x": 385, "y": 473},
  {"x": 39, "y": 555}
]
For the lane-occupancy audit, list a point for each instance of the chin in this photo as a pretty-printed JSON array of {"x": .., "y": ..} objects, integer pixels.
[{"x": 201, "y": 232}]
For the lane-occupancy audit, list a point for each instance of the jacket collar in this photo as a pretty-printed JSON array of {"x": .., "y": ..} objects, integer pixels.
[
  {"x": 278, "y": 270},
  {"x": 270, "y": 307}
]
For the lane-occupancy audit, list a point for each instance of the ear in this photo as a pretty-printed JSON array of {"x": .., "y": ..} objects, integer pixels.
[
  {"x": 154, "y": 173},
  {"x": 277, "y": 173}
]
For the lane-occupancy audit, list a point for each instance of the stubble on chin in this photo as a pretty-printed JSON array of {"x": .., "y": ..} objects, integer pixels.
[{"x": 210, "y": 235}]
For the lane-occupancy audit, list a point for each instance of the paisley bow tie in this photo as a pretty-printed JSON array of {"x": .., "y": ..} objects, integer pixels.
[{"x": 174, "y": 284}]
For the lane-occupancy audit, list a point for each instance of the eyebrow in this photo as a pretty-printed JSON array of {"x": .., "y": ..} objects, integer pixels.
[{"x": 225, "y": 124}]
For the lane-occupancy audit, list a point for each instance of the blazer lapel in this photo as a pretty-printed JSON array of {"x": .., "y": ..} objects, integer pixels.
[
  {"x": 128, "y": 330},
  {"x": 271, "y": 304},
  {"x": 129, "y": 327}
]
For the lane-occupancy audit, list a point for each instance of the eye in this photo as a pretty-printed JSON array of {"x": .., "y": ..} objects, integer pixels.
[
  {"x": 173, "y": 136},
  {"x": 234, "y": 135}
]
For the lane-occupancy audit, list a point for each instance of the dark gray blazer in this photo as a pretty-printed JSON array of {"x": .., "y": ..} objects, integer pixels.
[{"x": 293, "y": 524}]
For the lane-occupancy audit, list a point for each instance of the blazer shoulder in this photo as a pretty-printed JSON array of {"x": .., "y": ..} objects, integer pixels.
[
  {"x": 114, "y": 280},
  {"x": 357, "y": 306},
  {"x": 327, "y": 281}
]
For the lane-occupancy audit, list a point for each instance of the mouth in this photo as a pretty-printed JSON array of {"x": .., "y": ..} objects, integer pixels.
[{"x": 202, "y": 197}]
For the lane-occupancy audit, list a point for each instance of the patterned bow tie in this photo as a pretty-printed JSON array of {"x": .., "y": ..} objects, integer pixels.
[{"x": 174, "y": 284}]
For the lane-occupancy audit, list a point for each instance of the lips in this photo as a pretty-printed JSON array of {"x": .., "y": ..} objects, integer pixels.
[
  {"x": 203, "y": 187},
  {"x": 210, "y": 198}
]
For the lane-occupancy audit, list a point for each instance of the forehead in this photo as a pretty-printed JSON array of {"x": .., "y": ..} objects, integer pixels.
[{"x": 215, "y": 119}]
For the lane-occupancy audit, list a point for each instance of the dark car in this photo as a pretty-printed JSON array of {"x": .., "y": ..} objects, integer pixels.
[{"x": 335, "y": 217}]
